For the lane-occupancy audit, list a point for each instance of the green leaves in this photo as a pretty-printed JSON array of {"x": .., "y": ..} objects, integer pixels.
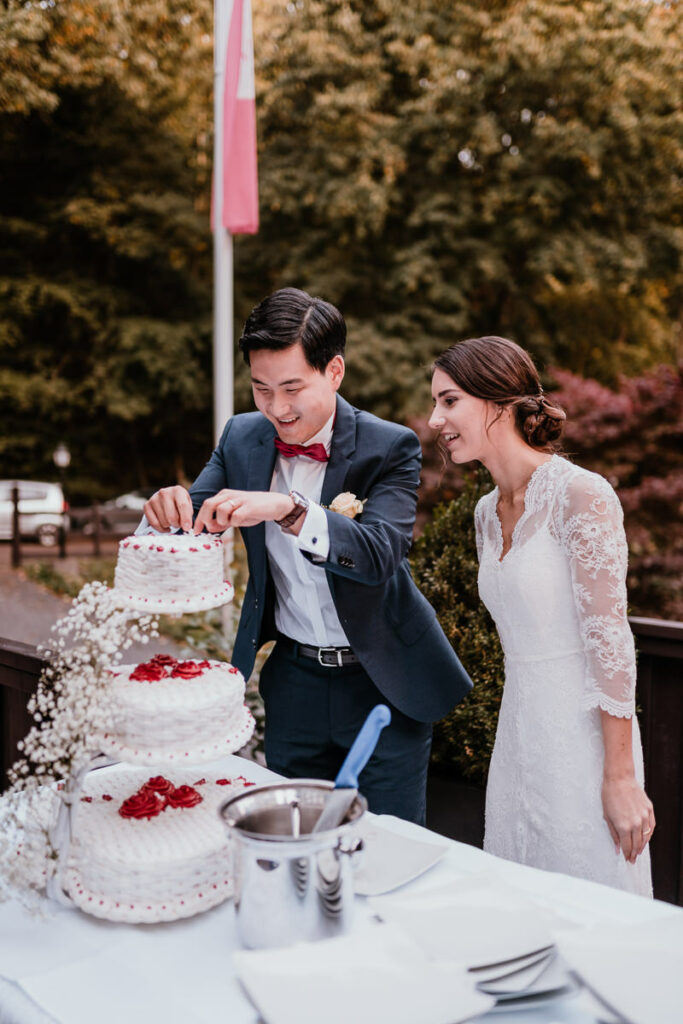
[
  {"x": 438, "y": 170},
  {"x": 104, "y": 246},
  {"x": 444, "y": 564},
  {"x": 499, "y": 170}
]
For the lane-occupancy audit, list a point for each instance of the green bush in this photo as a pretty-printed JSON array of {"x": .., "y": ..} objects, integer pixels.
[{"x": 444, "y": 562}]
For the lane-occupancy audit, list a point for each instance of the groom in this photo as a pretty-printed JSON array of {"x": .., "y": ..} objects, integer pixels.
[{"x": 332, "y": 588}]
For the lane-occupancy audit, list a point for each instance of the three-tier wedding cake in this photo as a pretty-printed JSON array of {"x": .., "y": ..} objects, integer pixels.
[{"x": 147, "y": 844}]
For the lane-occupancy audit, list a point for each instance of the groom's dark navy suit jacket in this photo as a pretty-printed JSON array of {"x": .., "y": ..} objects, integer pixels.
[{"x": 391, "y": 627}]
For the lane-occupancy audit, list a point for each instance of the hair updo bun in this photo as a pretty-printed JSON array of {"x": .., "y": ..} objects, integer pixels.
[
  {"x": 499, "y": 371},
  {"x": 540, "y": 423}
]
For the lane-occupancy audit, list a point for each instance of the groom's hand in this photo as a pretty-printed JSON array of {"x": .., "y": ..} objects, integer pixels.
[
  {"x": 241, "y": 508},
  {"x": 170, "y": 508}
]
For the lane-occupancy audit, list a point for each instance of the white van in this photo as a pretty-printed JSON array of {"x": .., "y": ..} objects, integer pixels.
[{"x": 42, "y": 510}]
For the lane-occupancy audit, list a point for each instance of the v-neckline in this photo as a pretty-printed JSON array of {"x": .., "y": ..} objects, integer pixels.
[{"x": 500, "y": 557}]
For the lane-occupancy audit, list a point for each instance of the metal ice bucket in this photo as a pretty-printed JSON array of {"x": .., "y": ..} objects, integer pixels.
[{"x": 290, "y": 885}]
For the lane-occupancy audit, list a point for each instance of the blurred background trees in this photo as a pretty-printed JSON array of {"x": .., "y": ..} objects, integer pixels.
[
  {"x": 443, "y": 170},
  {"x": 105, "y": 276},
  {"x": 438, "y": 170}
]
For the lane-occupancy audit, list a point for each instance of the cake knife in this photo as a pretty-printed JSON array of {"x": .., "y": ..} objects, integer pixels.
[{"x": 346, "y": 783}]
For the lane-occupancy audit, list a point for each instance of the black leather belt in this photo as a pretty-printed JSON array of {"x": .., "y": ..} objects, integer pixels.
[{"x": 329, "y": 657}]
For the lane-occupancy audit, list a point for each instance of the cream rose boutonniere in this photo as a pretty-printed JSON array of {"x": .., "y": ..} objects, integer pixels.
[{"x": 347, "y": 504}]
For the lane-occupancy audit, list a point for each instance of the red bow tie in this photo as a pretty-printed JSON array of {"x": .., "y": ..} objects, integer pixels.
[{"x": 312, "y": 451}]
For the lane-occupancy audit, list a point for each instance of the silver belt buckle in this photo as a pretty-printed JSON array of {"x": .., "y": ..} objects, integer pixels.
[{"x": 330, "y": 650}]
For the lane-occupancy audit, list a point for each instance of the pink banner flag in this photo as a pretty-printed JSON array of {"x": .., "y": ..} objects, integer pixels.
[{"x": 240, "y": 179}]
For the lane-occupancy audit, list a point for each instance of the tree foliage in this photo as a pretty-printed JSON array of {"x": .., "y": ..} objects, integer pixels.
[
  {"x": 104, "y": 283},
  {"x": 436, "y": 169},
  {"x": 444, "y": 562},
  {"x": 441, "y": 170}
]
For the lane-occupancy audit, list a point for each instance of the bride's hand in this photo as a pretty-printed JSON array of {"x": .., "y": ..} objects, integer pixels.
[{"x": 629, "y": 815}]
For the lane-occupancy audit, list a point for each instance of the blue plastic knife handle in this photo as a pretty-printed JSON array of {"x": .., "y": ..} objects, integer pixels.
[{"x": 363, "y": 746}]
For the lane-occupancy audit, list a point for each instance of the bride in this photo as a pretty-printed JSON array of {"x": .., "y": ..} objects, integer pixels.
[{"x": 565, "y": 787}]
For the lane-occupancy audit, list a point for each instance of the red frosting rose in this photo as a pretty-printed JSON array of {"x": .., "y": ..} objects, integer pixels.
[
  {"x": 143, "y": 804},
  {"x": 187, "y": 670},
  {"x": 163, "y": 659},
  {"x": 149, "y": 672},
  {"x": 159, "y": 784},
  {"x": 184, "y": 796}
]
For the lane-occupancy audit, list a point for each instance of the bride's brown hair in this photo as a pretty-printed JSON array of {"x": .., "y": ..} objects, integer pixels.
[{"x": 499, "y": 371}]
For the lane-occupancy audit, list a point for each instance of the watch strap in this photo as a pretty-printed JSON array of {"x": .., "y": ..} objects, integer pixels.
[{"x": 300, "y": 509}]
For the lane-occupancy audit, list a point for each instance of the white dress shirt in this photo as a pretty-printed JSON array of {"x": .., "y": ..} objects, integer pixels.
[{"x": 304, "y": 609}]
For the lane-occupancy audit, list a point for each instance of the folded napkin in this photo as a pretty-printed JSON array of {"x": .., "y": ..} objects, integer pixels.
[
  {"x": 375, "y": 974},
  {"x": 470, "y": 925},
  {"x": 389, "y": 860},
  {"x": 636, "y": 970}
]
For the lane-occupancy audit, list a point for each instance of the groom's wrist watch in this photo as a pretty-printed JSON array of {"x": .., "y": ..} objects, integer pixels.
[{"x": 300, "y": 509}]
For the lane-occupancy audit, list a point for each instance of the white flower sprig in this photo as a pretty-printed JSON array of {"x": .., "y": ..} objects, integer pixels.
[{"x": 70, "y": 708}]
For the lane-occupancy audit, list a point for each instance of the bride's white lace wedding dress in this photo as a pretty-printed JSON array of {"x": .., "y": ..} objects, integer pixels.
[{"x": 558, "y": 598}]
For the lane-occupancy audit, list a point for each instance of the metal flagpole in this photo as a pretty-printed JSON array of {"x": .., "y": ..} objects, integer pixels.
[
  {"x": 223, "y": 378},
  {"x": 223, "y": 372}
]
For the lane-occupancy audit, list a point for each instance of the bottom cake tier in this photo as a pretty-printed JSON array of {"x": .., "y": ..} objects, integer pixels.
[{"x": 147, "y": 849}]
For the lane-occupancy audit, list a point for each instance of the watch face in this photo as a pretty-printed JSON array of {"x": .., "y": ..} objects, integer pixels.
[{"x": 299, "y": 499}]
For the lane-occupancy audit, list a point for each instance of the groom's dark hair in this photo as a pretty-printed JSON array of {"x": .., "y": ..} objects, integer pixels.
[{"x": 289, "y": 316}]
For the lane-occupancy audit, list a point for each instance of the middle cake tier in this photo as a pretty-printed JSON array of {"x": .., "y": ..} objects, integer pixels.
[{"x": 169, "y": 711}]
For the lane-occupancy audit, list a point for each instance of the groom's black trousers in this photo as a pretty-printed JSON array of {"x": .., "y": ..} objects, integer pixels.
[{"x": 313, "y": 714}]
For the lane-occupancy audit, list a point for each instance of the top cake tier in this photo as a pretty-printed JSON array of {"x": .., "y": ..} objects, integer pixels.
[{"x": 172, "y": 573}]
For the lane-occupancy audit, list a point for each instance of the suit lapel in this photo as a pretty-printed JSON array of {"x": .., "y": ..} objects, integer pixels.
[
  {"x": 259, "y": 476},
  {"x": 343, "y": 447},
  {"x": 262, "y": 460}
]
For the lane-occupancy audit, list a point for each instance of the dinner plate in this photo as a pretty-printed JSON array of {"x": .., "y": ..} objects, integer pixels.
[
  {"x": 517, "y": 977},
  {"x": 389, "y": 860},
  {"x": 531, "y": 1001},
  {"x": 556, "y": 981}
]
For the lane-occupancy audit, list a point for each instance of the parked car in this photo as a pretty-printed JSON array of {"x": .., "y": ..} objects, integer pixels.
[
  {"x": 43, "y": 512},
  {"x": 118, "y": 515}
]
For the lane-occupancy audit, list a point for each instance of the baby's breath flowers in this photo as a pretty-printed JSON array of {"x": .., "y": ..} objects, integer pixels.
[{"x": 70, "y": 708}]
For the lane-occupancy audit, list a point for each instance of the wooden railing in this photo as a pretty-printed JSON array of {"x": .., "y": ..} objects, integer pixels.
[
  {"x": 20, "y": 667},
  {"x": 660, "y": 696}
]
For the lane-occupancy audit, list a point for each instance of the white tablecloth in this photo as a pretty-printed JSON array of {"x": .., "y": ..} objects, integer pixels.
[{"x": 75, "y": 969}]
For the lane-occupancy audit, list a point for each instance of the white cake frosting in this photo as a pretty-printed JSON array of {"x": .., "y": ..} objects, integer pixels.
[
  {"x": 171, "y": 573},
  {"x": 169, "y": 711},
  {"x": 171, "y": 865}
]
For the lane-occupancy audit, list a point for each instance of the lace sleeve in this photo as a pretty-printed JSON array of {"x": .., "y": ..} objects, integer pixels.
[{"x": 594, "y": 539}]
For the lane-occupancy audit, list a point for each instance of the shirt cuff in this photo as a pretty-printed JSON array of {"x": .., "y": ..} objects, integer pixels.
[{"x": 314, "y": 536}]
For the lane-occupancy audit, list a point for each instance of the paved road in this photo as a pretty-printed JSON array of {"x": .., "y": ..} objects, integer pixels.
[{"x": 28, "y": 610}]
